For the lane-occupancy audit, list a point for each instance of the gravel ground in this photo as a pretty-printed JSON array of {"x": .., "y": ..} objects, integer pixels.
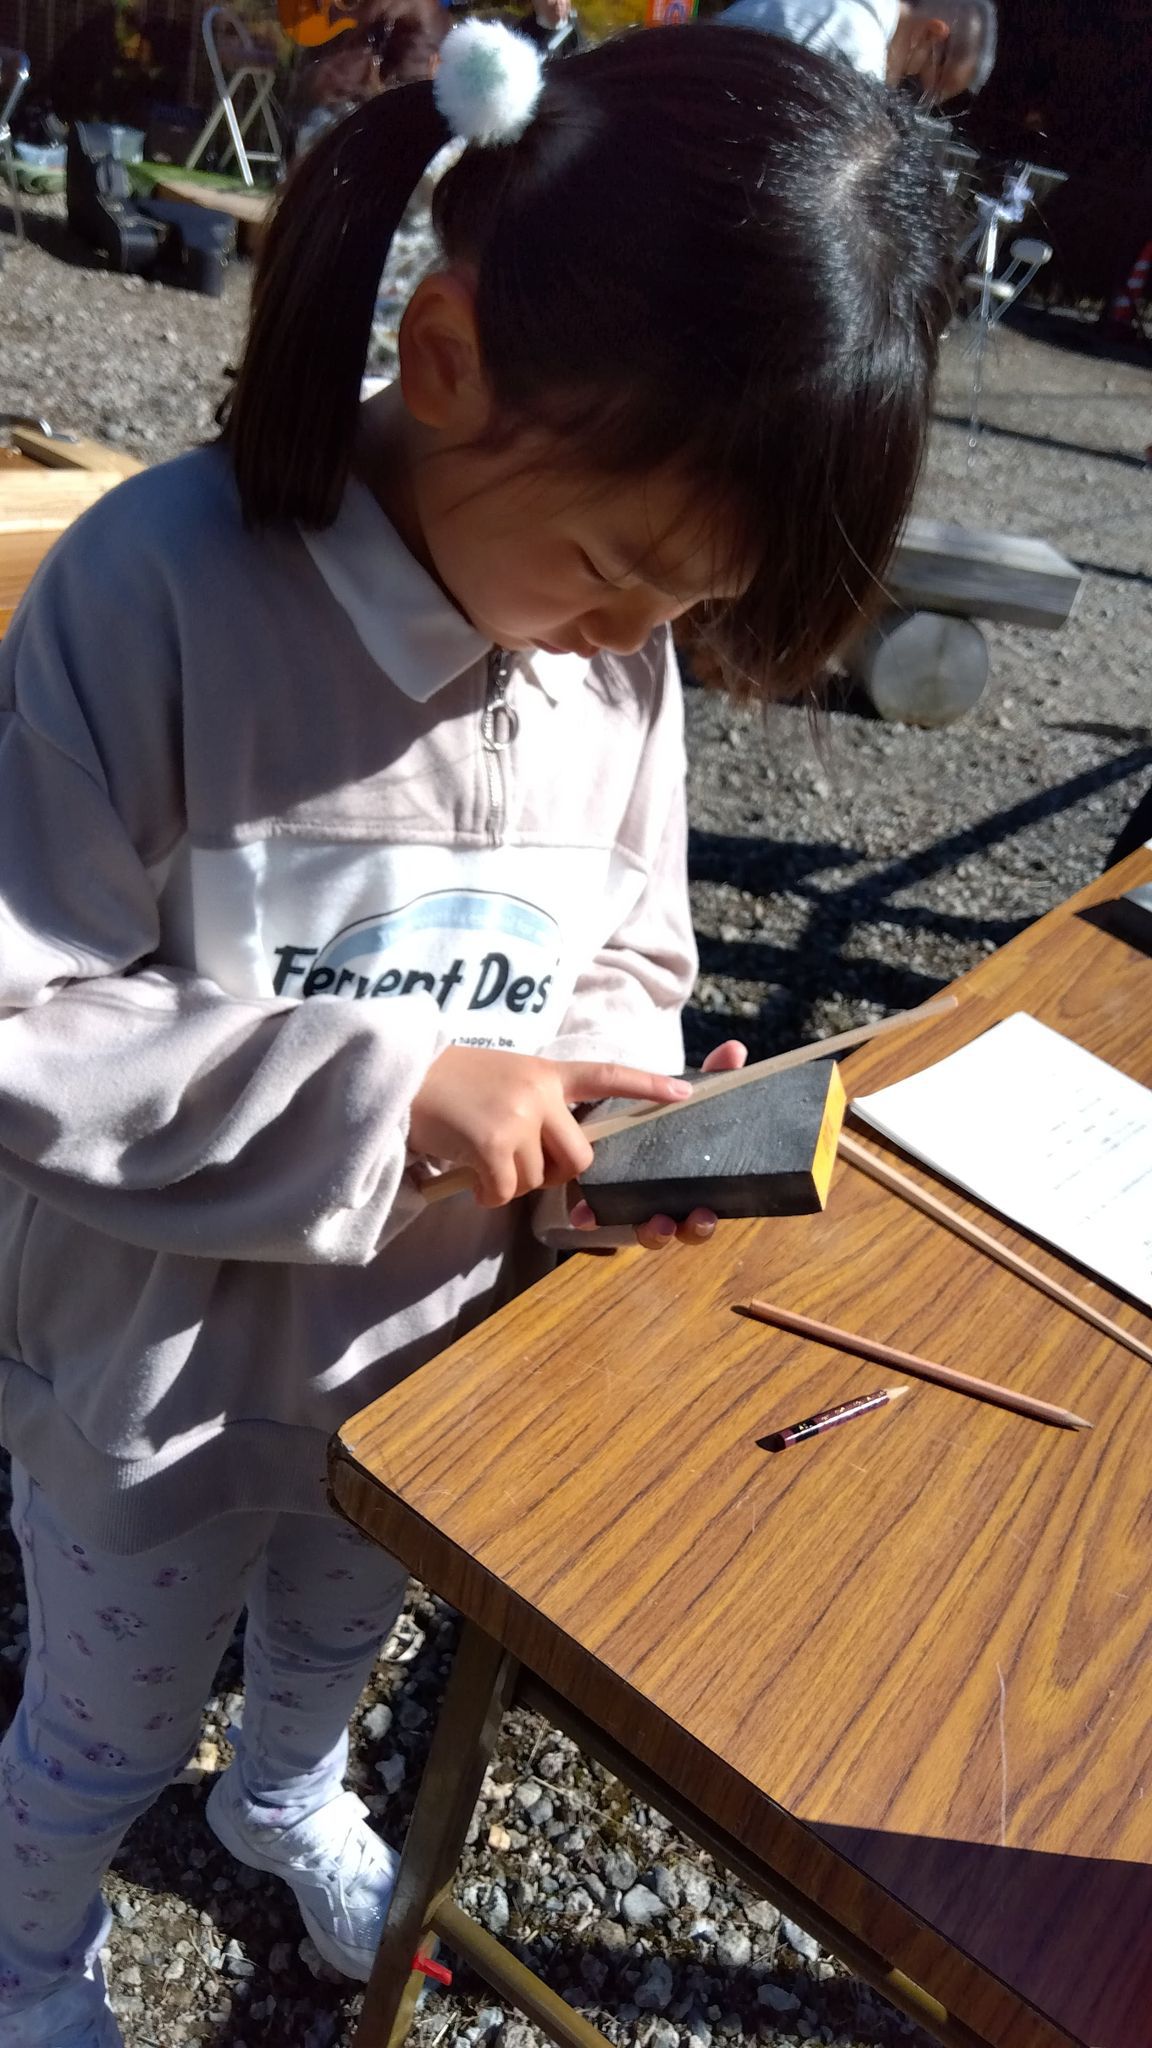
[{"x": 836, "y": 875}]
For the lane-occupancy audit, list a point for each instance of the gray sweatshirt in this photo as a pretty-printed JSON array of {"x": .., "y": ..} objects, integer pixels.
[{"x": 276, "y": 827}]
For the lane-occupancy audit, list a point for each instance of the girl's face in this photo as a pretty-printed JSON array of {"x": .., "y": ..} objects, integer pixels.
[
  {"x": 538, "y": 555},
  {"x": 536, "y": 552}
]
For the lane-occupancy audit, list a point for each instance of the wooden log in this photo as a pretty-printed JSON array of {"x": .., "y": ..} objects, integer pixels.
[
  {"x": 921, "y": 668},
  {"x": 943, "y": 567}
]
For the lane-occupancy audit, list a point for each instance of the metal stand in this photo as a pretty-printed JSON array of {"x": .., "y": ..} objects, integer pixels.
[{"x": 253, "y": 73}]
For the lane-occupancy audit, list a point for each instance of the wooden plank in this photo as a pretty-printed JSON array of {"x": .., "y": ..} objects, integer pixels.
[
  {"x": 37, "y": 503},
  {"x": 904, "y": 1664},
  {"x": 38, "y": 500},
  {"x": 250, "y": 210},
  {"x": 944, "y": 567},
  {"x": 55, "y": 453}
]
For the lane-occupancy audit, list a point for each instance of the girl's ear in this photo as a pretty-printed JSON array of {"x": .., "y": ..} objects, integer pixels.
[
  {"x": 441, "y": 373},
  {"x": 927, "y": 46}
]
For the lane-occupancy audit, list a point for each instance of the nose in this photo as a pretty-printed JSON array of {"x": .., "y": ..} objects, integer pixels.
[{"x": 627, "y": 623}]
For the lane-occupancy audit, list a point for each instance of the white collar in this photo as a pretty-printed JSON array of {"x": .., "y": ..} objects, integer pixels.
[{"x": 400, "y": 615}]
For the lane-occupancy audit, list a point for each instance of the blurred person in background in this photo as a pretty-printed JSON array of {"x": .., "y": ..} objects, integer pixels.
[{"x": 946, "y": 47}]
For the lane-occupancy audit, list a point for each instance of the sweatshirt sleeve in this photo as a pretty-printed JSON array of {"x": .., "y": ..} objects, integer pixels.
[{"x": 138, "y": 1097}]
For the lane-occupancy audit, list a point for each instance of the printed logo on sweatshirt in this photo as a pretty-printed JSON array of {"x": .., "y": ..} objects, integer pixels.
[{"x": 486, "y": 957}]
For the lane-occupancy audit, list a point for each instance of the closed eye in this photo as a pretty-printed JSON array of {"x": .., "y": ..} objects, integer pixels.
[{"x": 597, "y": 575}]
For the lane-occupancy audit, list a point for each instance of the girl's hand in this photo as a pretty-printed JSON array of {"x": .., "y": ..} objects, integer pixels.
[
  {"x": 506, "y": 1115},
  {"x": 697, "y": 1228}
]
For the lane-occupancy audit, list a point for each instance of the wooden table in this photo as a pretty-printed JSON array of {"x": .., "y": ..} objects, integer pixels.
[{"x": 900, "y": 1676}]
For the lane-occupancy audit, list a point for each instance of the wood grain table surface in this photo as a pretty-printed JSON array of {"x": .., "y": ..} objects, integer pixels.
[{"x": 908, "y": 1664}]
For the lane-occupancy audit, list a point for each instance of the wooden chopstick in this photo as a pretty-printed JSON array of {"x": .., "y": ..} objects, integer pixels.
[
  {"x": 920, "y": 1368},
  {"x": 461, "y": 1180},
  {"x": 910, "y": 1191},
  {"x": 708, "y": 1085}
]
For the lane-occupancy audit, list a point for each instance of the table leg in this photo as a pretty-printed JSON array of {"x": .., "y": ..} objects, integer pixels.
[{"x": 479, "y": 1690}]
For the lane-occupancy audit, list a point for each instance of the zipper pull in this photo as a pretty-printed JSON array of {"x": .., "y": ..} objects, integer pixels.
[
  {"x": 499, "y": 725},
  {"x": 499, "y": 722}
]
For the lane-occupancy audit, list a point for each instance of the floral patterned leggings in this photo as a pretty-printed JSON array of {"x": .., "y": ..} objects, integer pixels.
[{"x": 123, "y": 1651}]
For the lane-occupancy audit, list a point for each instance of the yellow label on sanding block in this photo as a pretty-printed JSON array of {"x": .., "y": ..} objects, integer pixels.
[{"x": 825, "y": 1156}]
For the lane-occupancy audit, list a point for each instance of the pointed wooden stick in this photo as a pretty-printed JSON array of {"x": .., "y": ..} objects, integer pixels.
[
  {"x": 910, "y": 1191},
  {"x": 461, "y": 1179},
  {"x": 738, "y": 1077},
  {"x": 921, "y": 1368}
]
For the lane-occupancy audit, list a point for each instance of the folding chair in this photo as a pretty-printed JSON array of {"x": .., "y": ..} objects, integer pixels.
[
  {"x": 14, "y": 70},
  {"x": 254, "y": 76}
]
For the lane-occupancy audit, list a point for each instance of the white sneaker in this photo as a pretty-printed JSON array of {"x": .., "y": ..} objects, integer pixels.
[
  {"x": 340, "y": 1870},
  {"x": 77, "y": 2015}
]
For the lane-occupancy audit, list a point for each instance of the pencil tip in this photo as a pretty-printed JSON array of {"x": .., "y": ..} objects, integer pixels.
[{"x": 898, "y": 1393}]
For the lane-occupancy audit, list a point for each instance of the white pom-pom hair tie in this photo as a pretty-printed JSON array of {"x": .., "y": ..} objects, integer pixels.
[{"x": 488, "y": 82}]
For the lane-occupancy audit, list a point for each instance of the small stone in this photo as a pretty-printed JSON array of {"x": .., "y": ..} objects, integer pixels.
[
  {"x": 619, "y": 1870},
  {"x": 498, "y": 1837},
  {"x": 695, "y": 1888},
  {"x": 733, "y": 1949},
  {"x": 234, "y": 1709},
  {"x": 542, "y": 1812},
  {"x": 280, "y": 1957},
  {"x": 176, "y": 1968},
  {"x": 488, "y": 2019},
  {"x": 514, "y": 2034},
  {"x": 594, "y": 1885},
  {"x": 528, "y": 1794},
  {"x": 405, "y": 1642},
  {"x": 663, "y": 2035},
  {"x": 495, "y": 1912},
  {"x": 392, "y": 1769},
  {"x": 128, "y": 1978},
  {"x": 699, "y": 2030},
  {"x": 777, "y": 1999},
  {"x": 763, "y": 1915},
  {"x": 376, "y": 1723},
  {"x": 126, "y": 1911},
  {"x": 798, "y": 1938},
  {"x": 550, "y": 1767},
  {"x": 641, "y": 1907},
  {"x": 611, "y": 1936},
  {"x": 654, "y": 1990}
]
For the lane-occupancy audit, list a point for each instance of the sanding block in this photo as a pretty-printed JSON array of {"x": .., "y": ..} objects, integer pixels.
[{"x": 766, "y": 1149}]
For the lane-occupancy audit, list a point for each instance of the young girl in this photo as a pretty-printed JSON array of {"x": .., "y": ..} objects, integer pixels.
[{"x": 342, "y": 839}]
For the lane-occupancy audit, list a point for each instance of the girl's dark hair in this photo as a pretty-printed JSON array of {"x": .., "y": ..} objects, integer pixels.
[{"x": 710, "y": 249}]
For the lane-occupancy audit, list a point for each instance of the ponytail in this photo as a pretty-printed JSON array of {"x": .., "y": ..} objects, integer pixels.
[{"x": 292, "y": 419}]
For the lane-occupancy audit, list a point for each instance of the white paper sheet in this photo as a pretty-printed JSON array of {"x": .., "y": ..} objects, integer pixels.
[{"x": 1051, "y": 1136}]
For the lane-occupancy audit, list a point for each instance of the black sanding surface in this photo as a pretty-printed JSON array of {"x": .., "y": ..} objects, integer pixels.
[{"x": 749, "y": 1152}]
